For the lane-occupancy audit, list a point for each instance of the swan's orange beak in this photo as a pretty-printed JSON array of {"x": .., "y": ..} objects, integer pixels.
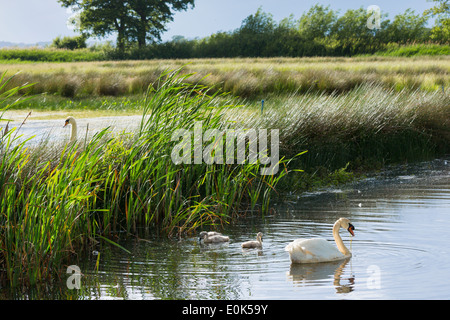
[
  {"x": 350, "y": 229},
  {"x": 66, "y": 123}
]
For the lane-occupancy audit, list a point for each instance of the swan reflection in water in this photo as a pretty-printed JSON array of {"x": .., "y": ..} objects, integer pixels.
[{"x": 313, "y": 273}]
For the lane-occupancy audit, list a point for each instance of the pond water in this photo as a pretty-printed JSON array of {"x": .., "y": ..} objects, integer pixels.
[
  {"x": 54, "y": 130},
  {"x": 400, "y": 250}
]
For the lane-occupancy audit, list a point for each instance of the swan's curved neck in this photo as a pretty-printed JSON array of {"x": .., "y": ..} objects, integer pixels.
[
  {"x": 337, "y": 238},
  {"x": 73, "y": 135}
]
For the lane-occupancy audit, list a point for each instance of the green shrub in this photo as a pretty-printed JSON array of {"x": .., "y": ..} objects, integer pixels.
[
  {"x": 50, "y": 55},
  {"x": 71, "y": 43}
]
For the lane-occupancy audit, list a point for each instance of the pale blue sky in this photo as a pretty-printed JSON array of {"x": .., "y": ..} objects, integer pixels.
[{"x": 32, "y": 21}]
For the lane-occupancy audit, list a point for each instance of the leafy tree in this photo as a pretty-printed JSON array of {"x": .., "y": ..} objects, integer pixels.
[
  {"x": 441, "y": 30},
  {"x": 132, "y": 20},
  {"x": 149, "y": 17},
  {"x": 319, "y": 32},
  {"x": 255, "y": 33},
  {"x": 218, "y": 45},
  {"x": 353, "y": 34},
  {"x": 258, "y": 23},
  {"x": 317, "y": 22},
  {"x": 287, "y": 41},
  {"x": 407, "y": 27}
]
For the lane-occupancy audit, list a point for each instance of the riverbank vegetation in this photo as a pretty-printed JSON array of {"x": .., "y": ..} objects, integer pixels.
[
  {"x": 397, "y": 83},
  {"x": 57, "y": 200},
  {"x": 108, "y": 53},
  {"x": 361, "y": 130}
]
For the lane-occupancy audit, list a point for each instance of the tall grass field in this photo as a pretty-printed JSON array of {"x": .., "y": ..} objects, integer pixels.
[
  {"x": 243, "y": 77},
  {"x": 343, "y": 115}
]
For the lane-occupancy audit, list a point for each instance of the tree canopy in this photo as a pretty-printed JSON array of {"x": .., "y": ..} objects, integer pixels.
[
  {"x": 133, "y": 20},
  {"x": 320, "y": 31},
  {"x": 441, "y": 11}
]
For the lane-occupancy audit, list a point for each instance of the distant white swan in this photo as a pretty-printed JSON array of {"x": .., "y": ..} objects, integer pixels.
[
  {"x": 71, "y": 120},
  {"x": 213, "y": 237},
  {"x": 254, "y": 244},
  {"x": 320, "y": 250}
]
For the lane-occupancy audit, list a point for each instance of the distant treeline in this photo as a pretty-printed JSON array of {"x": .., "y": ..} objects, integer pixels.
[{"x": 318, "y": 32}]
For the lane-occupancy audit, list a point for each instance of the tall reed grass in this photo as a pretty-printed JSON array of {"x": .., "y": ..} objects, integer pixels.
[
  {"x": 366, "y": 128},
  {"x": 249, "y": 78},
  {"x": 55, "y": 203}
]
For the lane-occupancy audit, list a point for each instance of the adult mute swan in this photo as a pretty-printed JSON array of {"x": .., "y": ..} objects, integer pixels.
[
  {"x": 254, "y": 244},
  {"x": 213, "y": 237},
  {"x": 320, "y": 250},
  {"x": 71, "y": 120}
]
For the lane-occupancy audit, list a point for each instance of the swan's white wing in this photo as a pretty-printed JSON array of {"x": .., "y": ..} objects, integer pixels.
[
  {"x": 296, "y": 244},
  {"x": 312, "y": 250}
]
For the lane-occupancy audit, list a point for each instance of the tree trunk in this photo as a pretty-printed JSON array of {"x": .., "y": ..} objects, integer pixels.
[
  {"x": 142, "y": 31},
  {"x": 121, "y": 42},
  {"x": 120, "y": 37}
]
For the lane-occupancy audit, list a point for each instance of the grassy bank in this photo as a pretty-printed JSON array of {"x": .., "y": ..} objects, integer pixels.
[
  {"x": 306, "y": 86},
  {"x": 414, "y": 50},
  {"x": 49, "y": 55},
  {"x": 46, "y": 107},
  {"x": 220, "y": 47}
]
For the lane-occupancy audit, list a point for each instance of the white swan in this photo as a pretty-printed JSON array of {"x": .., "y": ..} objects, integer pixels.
[
  {"x": 254, "y": 244},
  {"x": 213, "y": 237},
  {"x": 320, "y": 250},
  {"x": 71, "y": 120}
]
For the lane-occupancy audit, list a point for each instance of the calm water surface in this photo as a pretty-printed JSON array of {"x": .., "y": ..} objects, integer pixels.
[
  {"x": 401, "y": 249},
  {"x": 53, "y": 130}
]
